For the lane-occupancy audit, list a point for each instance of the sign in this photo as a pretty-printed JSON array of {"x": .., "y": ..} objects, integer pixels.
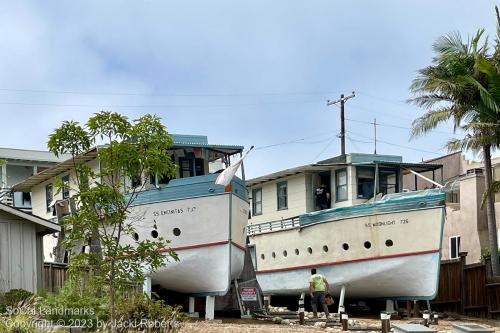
[{"x": 248, "y": 294}]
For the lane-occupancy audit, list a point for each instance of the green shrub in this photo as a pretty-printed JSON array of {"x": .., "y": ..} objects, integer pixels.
[
  {"x": 140, "y": 308},
  {"x": 12, "y": 298},
  {"x": 76, "y": 304}
]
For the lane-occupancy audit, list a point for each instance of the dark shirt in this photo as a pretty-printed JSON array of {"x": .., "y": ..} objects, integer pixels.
[{"x": 321, "y": 198}]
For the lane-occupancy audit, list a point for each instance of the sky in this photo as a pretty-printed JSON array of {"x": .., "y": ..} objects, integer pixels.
[{"x": 244, "y": 73}]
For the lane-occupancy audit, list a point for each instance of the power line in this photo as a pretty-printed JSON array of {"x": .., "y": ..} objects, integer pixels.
[
  {"x": 393, "y": 126},
  {"x": 158, "y": 105},
  {"x": 324, "y": 149},
  {"x": 299, "y": 141},
  {"x": 394, "y": 144},
  {"x": 69, "y": 92}
]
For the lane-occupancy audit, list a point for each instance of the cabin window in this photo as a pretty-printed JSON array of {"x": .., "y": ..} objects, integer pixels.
[
  {"x": 257, "y": 201},
  {"x": 341, "y": 185},
  {"x": 65, "y": 189},
  {"x": 282, "y": 190},
  {"x": 388, "y": 180},
  {"x": 190, "y": 166},
  {"x": 186, "y": 167},
  {"x": 454, "y": 247},
  {"x": 199, "y": 166},
  {"x": 389, "y": 243},
  {"x": 366, "y": 181},
  {"x": 49, "y": 196}
]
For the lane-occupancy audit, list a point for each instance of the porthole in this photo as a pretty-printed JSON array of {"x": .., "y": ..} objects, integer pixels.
[
  {"x": 310, "y": 250},
  {"x": 297, "y": 251},
  {"x": 273, "y": 254},
  {"x": 389, "y": 243},
  {"x": 262, "y": 256},
  {"x": 368, "y": 245},
  {"x": 154, "y": 234},
  {"x": 345, "y": 246},
  {"x": 325, "y": 248},
  {"x": 285, "y": 253},
  {"x": 176, "y": 231},
  {"x": 136, "y": 236}
]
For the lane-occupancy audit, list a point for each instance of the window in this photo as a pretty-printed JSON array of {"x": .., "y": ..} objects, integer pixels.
[
  {"x": 186, "y": 167},
  {"x": 341, "y": 185},
  {"x": 453, "y": 196},
  {"x": 257, "y": 201},
  {"x": 189, "y": 166},
  {"x": 454, "y": 247},
  {"x": 388, "y": 180},
  {"x": 49, "y": 196},
  {"x": 65, "y": 190},
  {"x": 282, "y": 195},
  {"x": 366, "y": 181}
]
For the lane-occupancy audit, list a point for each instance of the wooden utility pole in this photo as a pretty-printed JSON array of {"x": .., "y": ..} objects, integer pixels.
[
  {"x": 375, "y": 128},
  {"x": 342, "y": 101}
]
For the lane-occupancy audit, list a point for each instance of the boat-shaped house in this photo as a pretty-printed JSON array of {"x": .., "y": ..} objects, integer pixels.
[
  {"x": 205, "y": 222},
  {"x": 374, "y": 239}
]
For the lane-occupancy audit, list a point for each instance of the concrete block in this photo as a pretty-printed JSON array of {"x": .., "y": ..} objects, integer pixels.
[
  {"x": 412, "y": 328},
  {"x": 471, "y": 328}
]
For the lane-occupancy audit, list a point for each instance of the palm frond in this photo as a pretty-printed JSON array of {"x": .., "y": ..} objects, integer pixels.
[
  {"x": 429, "y": 121},
  {"x": 494, "y": 188},
  {"x": 468, "y": 143},
  {"x": 450, "y": 43}
]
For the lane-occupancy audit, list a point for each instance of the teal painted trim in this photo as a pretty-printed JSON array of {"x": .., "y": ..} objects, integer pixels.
[
  {"x": 372, "y": 158},
  {"x": 388, "y": 204},
  {"x": 187, "y": 138},
  {"x": 190, "y": 187}
]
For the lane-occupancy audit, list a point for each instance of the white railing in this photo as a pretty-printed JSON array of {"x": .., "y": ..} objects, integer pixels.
[
  {"x": 6, "y": 196},
  {"x": 273, "y": 226}
]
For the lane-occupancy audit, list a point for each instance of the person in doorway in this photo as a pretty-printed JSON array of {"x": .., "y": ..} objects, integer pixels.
[
  {"x": 322, "y": 197},
  {"x": 318, "y": 287}
]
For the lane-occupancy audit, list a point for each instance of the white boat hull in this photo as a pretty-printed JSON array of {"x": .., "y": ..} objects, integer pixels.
[
  {"x": 390, "y": 255},
  {"x": 210, "y": 245}
]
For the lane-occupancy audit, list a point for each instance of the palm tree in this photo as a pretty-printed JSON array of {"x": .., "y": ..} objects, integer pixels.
[{"x": 462, "y": 85}]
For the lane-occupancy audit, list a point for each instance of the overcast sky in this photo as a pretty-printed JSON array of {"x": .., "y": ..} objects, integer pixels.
[{"x": 241, "y": 72}]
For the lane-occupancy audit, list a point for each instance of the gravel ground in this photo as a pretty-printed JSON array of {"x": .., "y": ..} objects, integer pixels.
[{"x": 244, "y": 326}]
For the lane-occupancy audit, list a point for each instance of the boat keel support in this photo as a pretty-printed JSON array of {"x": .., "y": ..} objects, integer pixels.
[
  {"x": 210, "y": 308},
  {"x": 341, "y": 300}
]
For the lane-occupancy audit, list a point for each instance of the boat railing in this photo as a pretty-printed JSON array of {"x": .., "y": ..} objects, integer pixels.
[{"x": 272, "y": 226}]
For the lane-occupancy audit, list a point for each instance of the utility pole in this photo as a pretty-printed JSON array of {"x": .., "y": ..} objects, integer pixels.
[
  {"x": 342, "y": 101},
  {"x": 375, "y": 128}
]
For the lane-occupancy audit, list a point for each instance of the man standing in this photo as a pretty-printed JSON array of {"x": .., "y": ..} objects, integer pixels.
[
  {"x": 318, "y": 286},
  {"x": 322, "y": 197}
]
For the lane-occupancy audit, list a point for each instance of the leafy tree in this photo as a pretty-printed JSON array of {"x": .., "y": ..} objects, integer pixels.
[
  {"x": 461, "y": 86},
  {"x": 103, "y": 198}
]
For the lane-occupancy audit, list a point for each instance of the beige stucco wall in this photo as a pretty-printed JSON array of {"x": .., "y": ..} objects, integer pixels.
[
  {"x": 296, "y": 199},
  {"x": 467, "y": 220}
]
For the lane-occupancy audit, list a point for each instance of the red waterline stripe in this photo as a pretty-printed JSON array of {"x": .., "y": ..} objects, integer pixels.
[
  {"x": 242, "y": 248},
  {"x": 181, "y": 248},
  {"x": 346, "y": 261}
]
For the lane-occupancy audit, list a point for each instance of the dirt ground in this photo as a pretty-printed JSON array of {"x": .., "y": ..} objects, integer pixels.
[{"x": 248, "y": 326}]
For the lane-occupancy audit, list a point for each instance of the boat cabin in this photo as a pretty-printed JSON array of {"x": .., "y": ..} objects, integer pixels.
[
  {"x": 349, "y": 180},
  {"x": 198, "y": 165}
]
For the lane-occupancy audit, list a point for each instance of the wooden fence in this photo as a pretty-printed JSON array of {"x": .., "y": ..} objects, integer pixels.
[
  {"x": 54, "y": 276},
  {"x": 468, "y": 289}
]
